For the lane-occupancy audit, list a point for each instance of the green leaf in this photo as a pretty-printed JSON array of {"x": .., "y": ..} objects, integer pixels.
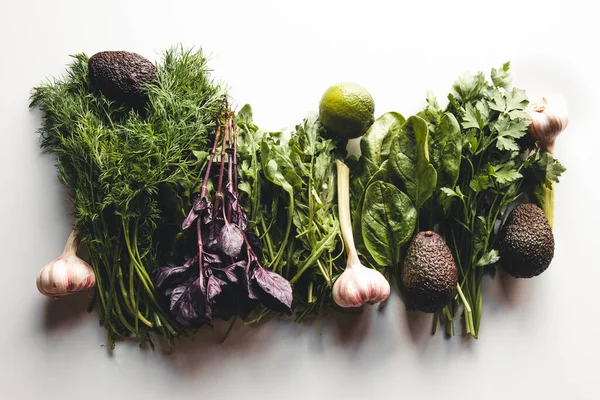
[
  {"x": 489, "y": 258},
  {"x": 472, "y": 118},
  {"x": 384, "y": 127},
  {"x": 245, "y": 115},
  {"x": 507, "y": 175},
  {"x": 445, "y": 149},
  {"x": 409, "y": 164},
  {"x": 501, "y": 77},
  {"x": 451, "y": 193},
  {"x": 388, "y": 222},
  {"x": 358, "y": 188},
  {"x": 506, "y": 143},
  {"x": 479, "y": 183},
  {"x": 516, "y": 99},
  {"x": 469, "y": 87},
  {"x": 200, "y": 155},
  {"x": 274, "y": 174}
]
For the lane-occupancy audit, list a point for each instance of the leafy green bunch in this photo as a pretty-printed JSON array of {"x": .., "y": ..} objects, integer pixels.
[
  {"x": 455, "y": 171},
  {"x": 500, "y": 165},
  {"x": 131, "y": 178},
  {"x": 289, "y": 187}
]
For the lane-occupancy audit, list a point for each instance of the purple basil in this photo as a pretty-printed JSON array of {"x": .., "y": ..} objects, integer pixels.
[
  {"x": 225, "y": 277},
  {"x": 275, "y": 291}
]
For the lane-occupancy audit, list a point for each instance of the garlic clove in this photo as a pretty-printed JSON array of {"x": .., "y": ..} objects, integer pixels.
[
  {"x": 359, "y": 285},
  {"x": 67, "y": 274},
  {"x": 549, "y": 117}
]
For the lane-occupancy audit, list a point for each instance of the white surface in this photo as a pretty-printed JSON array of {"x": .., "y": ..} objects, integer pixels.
[{"x": 538, "y": 339}]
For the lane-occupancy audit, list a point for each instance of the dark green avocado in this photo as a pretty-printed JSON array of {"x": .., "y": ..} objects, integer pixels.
[
  {"x": 526, "y": 242},
  {"x": 119, "y": 75},
  {"x": 429, "y": 274}
]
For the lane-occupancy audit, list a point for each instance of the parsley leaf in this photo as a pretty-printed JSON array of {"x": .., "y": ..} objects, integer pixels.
[{"x": 501, "y": 77}]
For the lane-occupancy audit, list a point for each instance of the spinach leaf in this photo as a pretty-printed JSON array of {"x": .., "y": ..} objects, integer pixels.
[
  {"x": 445, "y": 149},
  {"x": 379, "y": 174},
  {"x": 409, "y": 165},
  {"x": 383, "y": 130},
  {"x": 388, "y": 222}
]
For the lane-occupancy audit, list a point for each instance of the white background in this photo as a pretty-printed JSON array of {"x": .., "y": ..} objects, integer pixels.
[{"x": 539, "y": 338}]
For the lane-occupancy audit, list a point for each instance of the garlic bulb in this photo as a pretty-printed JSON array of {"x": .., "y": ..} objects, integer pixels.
[
  {"x": 67, "y": 274},
  {"x": 549, "y": 116},
  {"x": 358, "y": 284}
]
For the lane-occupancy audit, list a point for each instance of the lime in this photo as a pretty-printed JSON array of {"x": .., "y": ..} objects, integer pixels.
[{"x": 347, "y": 109}]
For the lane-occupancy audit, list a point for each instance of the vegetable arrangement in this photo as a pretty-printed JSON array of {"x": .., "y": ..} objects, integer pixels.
[{"x": 191, "y": 212}]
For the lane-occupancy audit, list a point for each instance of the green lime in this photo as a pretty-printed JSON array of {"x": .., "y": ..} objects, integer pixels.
[{"x": 347, "y": 109}]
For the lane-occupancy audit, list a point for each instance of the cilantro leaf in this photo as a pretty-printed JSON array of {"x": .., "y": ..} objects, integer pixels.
[
  {"x": 506, "y": 143},
  {"x": 469, "y": 87},
  {"x": 501, "y": 77},
  {"x": 516, "y": 99},
  {"x": 489, "y": 258},
  {"x": 507, "y": 175},
  {"x": 554, "y": 168},
  {"x": 473, "y": 118}
]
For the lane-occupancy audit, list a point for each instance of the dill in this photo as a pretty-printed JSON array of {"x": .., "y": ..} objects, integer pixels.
[{"x": 131, "y": 177}]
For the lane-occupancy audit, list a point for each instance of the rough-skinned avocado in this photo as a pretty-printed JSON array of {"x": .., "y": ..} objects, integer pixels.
[
  {"x": 429, "y": 274},
  {"x": 119, "y": 75},
  {"x": 526, "y": 242}
]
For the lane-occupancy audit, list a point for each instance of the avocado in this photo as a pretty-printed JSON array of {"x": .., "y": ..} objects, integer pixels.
[
  {"x": 429, "y": 274},
  {"x": 526, "y": 242},
  {"x": 119, "y": 75}
]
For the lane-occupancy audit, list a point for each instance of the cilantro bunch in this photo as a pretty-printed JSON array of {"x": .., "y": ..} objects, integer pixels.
[{"x": 500, "y": 165}]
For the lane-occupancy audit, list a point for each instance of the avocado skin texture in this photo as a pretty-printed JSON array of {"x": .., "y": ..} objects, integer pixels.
[
  {"x": 526, "y": 242},
  {"x": 119, "y": 75},
  {"x": 429, "y": 274}
]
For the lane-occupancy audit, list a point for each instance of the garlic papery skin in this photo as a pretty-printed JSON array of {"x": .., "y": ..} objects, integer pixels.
[
  {"x": 67, "y": 274},
  {"x": 357, "y": 285},
  {"x": 549, "y": 117}
]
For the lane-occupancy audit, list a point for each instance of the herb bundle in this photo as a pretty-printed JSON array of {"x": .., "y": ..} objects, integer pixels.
[
  {"x": 288, "y": 186},
  {"x": 456, "y": 171},
  {"x": 500, "y": 165},
  {"x": 131, "y": 178},
  {"x": 225, "y": 277}
]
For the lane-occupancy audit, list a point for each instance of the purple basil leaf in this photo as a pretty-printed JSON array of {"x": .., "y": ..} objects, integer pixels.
[
  {"x": 275, "y": 292},
  {"x": 211, "y": 259},
  {"x": 172, "y": 275},
  {"x": 189, "y": 220},
  {"x": 188, "y": 303},
  {"x": 247, "y": 276},
  {"x": 200, "y": 207},
  {"x": 214, "y": 287},
  {"x": 231, "y": 240},
  {"x": 238, "y": 216},
  {"x": 167, "y": 276},
  {"x": 214, "y": 228},
  {"x": 232, "y": 273}
]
